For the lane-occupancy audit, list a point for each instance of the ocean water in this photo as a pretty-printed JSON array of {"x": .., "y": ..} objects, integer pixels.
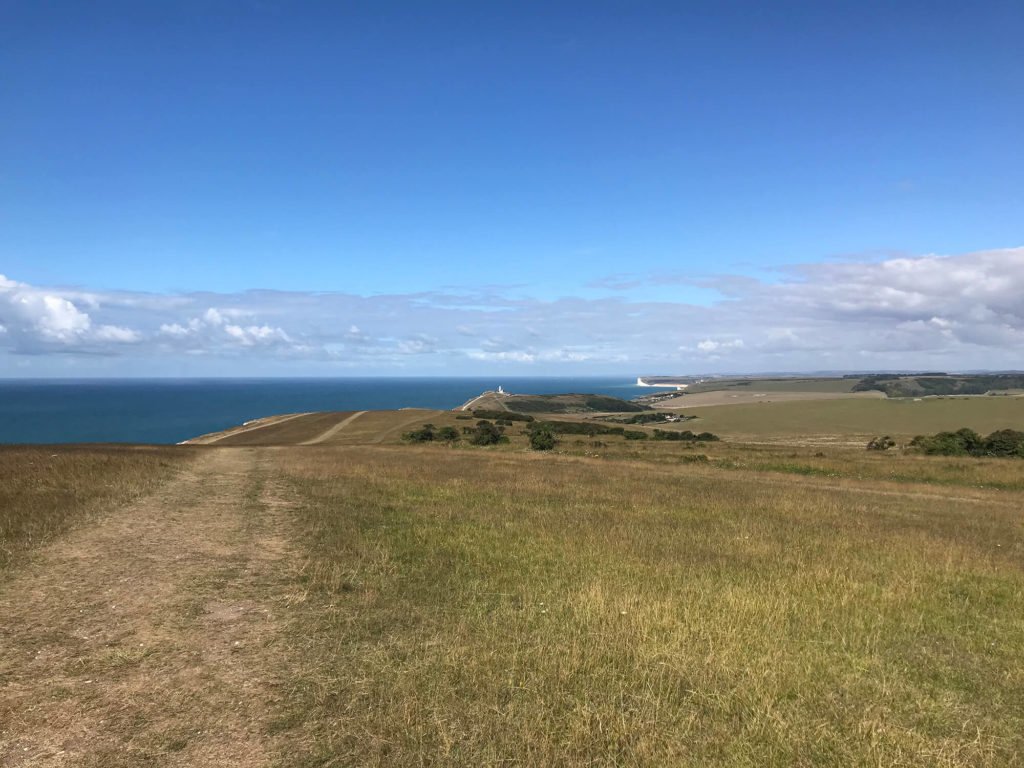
[{"x": 172, "y": 410}]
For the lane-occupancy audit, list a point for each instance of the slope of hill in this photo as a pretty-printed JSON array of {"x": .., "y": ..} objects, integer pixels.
[{"x": 346, "y": 599}]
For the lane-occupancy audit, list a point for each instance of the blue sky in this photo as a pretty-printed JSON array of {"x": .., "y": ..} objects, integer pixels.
[{"x": 322, "y": 160}]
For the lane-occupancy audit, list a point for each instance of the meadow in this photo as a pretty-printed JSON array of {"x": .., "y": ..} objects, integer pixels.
[
  {"x": 47, "y": 488},
  {"x": 784, "y": 599},
  {"x": 485, "y": 607},
  {"x": 858, "y": 418}
]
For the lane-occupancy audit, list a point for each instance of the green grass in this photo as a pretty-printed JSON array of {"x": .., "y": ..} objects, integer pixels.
[
  {"x": 775, "y": 385},
  {"x": 491, "y": 607},
  {"x": 861, "y": 417},
  {"x": 777, "y": 601}
]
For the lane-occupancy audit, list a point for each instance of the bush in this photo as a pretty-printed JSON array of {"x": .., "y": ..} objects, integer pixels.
[
  {"x": 634, "y": 434},
  {"x": 486, "y": 433},
  {"x": 1005, "y": 442},
  {"x": 542, "y": 439},
  {"x": 667, "y": 434},
  {"x": 696, "y": 458},
  {"x": 504, "y": 415},
  {"x": 881, "y": 443},
  {"x": 448, "y": 434},
  {"x": 422, "y": 435},
  {"x": 967, "y": 442}
]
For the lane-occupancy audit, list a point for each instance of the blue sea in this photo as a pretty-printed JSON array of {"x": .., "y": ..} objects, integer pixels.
[{"x": 172, "y": 410}]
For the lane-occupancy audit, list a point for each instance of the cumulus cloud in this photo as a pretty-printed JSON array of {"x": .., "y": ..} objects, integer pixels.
[
  {"x": 954, "y": 312},
  {"x": 44, "y": 319}
]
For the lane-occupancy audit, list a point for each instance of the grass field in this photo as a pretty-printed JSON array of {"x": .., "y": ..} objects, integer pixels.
[
  {"x": 539, "y": 610},
  {"x": 782, "y": 599},
  {"x": 287, "y": 432},
  {"x": 44, "y": 489},
  {"x": 832, "y": 385},
  {"x": 862, "y": 418}
]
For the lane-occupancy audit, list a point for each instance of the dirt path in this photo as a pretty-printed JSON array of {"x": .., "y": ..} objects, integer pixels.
[
  {"x": 148, "y": 637},
  {"x": 334, "y": 430}
]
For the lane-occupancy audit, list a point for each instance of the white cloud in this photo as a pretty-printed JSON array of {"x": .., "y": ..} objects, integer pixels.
[
  {"x": 43, "y": 317},
  {"x": 120, "y": 335},
  {"x": 256, "y": 334},
  {"x": 174, "y": 330},
  {"x": 952, "y": 312}
]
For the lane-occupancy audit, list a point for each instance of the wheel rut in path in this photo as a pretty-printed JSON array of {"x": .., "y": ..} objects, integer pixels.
[
  {"x": 148, "y": 637},
  {"x": 334, "y": 430}
]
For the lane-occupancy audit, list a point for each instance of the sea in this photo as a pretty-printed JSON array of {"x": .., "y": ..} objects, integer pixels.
[{"x": 173, "y": 410}]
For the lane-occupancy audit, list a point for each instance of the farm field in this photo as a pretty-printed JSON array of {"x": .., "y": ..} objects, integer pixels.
[
  {"x": 774, "y": 598},
  {"x": 862, "y": 418}
]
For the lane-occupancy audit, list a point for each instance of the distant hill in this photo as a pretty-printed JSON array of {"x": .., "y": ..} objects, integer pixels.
[
  {"x": 922, "y": 385},
  {"x": 570, "y": 403}
]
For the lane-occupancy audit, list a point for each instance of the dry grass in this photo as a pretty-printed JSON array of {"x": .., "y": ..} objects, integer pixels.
[
  {"x": 489, "y": 607},
  {"x": 305, "y": 427},
  {"x": 44, "y": 488},
  {"x": 844, "y": 458},
  {"x": 779, "y": 604},
  {"x": 145, "y": 639}
]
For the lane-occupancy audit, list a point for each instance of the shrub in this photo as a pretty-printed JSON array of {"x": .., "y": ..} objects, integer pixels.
[
  {"x": 542, "y": 439},
  {"x": 486, "y": 433},
  {"x": 667, "y": 434},
  {"x": 448, "y": 434},
  {"x": 967, "y": 442},
  {"x": 634, "y": 434},
  {"x": 695, "y": 458},
  {"x": 881, "y": 443},
  {"x": 1005, "y": 442},
  {"x": 422, "y": 435},
  {"x": 483, "y": 413}
]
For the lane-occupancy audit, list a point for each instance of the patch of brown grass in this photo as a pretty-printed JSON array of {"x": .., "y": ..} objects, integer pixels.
[{"x": 44, "y": 488}]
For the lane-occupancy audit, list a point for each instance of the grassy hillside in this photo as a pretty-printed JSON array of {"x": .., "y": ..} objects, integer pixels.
[
  {"x": 862, "y": 417},
  {"x": 923, "y": 386},
  {"x": 287, "y": 431},
  {"x": 46, "y": 488},
  {"x": 570, "y": 403},
  {"x": 783, "y": 599},
  {"x": 785, "y": 384},
  {"x": 484, "y": 607}
]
